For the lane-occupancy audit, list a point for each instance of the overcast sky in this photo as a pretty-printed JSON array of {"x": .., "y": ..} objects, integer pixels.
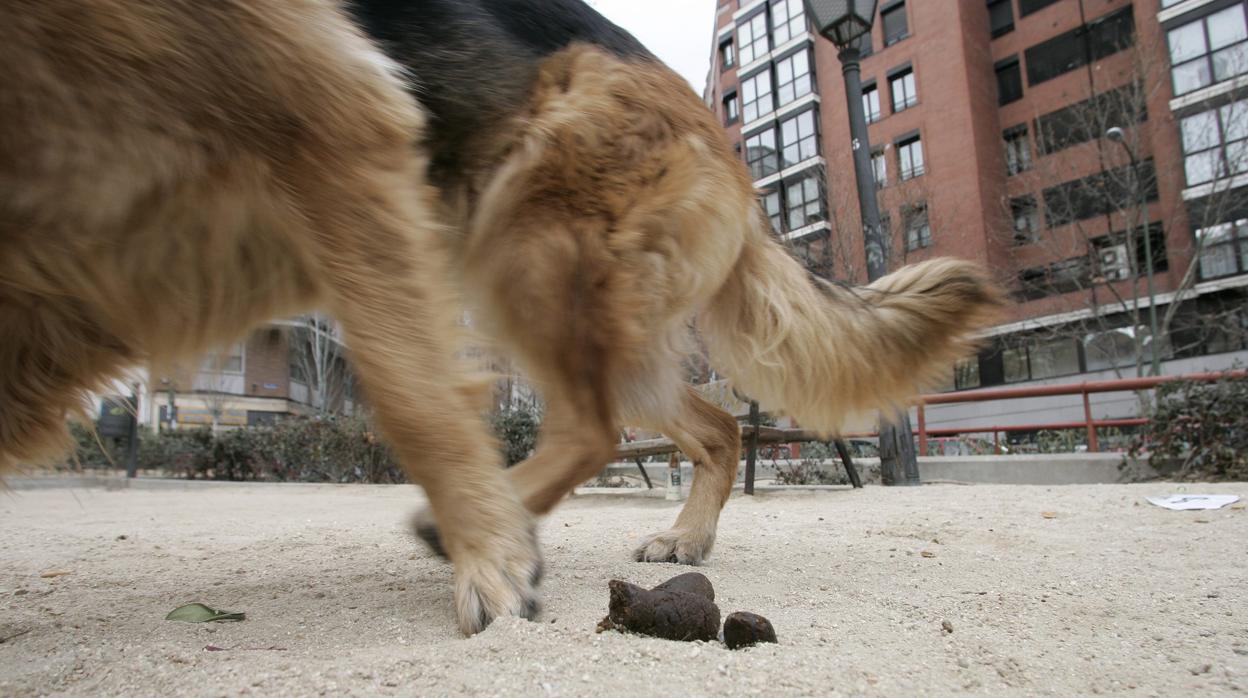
[{"x": 677, "y": 31}]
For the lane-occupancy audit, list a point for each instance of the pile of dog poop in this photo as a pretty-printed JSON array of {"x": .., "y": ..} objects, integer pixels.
[{"x": 682, "y": 608}]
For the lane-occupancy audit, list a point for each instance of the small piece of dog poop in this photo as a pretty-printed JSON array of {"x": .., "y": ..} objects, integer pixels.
[
  {"x": 664, "y": 613},
  {"x": 689, "y": 583},
  {"x": 743, "y": 629}
]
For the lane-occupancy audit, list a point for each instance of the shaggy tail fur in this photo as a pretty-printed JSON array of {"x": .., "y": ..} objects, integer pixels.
[{"x": 821, "y": 352}]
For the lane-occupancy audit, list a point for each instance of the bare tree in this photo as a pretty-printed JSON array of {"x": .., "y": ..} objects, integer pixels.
[
  {"x": 216, "y": 379},
  {"x": 319, "y": 361}
]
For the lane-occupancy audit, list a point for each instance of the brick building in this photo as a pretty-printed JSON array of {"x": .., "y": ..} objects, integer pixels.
[
  {"x": 988, "y": 127},
  {"x": 291, "y": 366}
]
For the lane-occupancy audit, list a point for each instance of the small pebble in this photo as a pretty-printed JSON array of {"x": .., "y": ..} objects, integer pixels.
[{"x": 946, "y": 626}]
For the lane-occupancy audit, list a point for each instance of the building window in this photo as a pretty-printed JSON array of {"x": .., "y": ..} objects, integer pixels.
[
  {"x": 803, "y": 202},
  {"x": 1026, "y": 7},
  {"x": 1014, "y": 363},
  {"x": 1095, "y": 40},
  {"x": 910, "y": 158},
  {"x": 1001, "y": 17},
  {"x": 1215, "y": 143},
  {"x": 1098, "y": 194},
  {"x": 761, "y": 155},
  {"x": 799, "y": 139},
  {"x": 1009, "y": 81},
  {"x": 1116, "y": 260},
  {"x": 865, "y": 48},
  {"x": 1055, "y": 279},
  {"x": 879, "y": 167},
  {"x": 732, "y": 113},
  {"x": 1017, "y": 150},
  {"x": 902, "y": 87},
  {"x": 752, "y": 38},
  {"x": 895, "y": 26},
  {"x": 756, "y": 96},
  {"x": 871, "y": 103},
  {"x": 966, "y": 373},
  {"x": 1223, "y": 249},
  {"x": 1026, "y": 216},
  {"x": 727, "y": 55},
  {"x": 918, "y": 231},
  {"x": 787, "y": 20},
  {"x": 1089, "y": 119},
  {"x": 227, "y": 360},
  {"x": 1209, "y": 50},
  {"x": 771, "y": 207},
  {"x": 1054, "y": 357},
  {"x": 792, "y": 78}
]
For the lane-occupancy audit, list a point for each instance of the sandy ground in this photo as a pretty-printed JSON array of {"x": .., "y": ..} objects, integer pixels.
[{"x": 1110, "y": 594}]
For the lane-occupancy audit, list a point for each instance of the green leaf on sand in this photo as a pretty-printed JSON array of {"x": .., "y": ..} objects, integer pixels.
[{"x": 199, "y": 613}]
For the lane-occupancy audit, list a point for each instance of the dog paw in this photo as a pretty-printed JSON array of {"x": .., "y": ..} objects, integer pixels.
[
  {"x": 426, "y": 529},
  {"x": 677, "y": 545},
  {"x": 498, "y": 581}
]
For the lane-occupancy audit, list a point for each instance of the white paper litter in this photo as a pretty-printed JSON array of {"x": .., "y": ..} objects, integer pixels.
[{"x": 1183, "y": 502}]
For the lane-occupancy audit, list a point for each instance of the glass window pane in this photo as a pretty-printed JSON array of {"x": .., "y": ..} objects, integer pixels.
[
  {"x": 1191, "y": 76},
  {"x": 1216, "y": 261},
  {"x": 811, "y": 188},
  {"x": 1200, "y": 132},
  {"x": 788, "y": 131},
  {"x": 1226, "y": 27},
  {"x": 793, "y": 193},
  {"x": 1054, "y": 358},
  {"x": 801, "y": 86},
  {"x": 1105, "y": 350},
  {"x": 1215, "y": 234},
  {"x": 1230, "y": 62},
  {"x": 784, "y": 94},
  {"x": 1187, "y": 42},
  {"x": 784, "y": 71},
  {"x": 1235, "y": 120},
  {"x": 1015, "y": 364},
  {"x": 771, "y": 202},
  {"x": 1201, "y": 167},
  {"x": 1237, "y": 157}
]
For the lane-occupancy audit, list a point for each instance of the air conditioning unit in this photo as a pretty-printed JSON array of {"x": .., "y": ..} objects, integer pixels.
[{"x": 1115, "y": 264}]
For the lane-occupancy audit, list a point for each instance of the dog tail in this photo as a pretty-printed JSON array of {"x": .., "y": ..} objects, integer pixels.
[{"x": 821, "y": 352}]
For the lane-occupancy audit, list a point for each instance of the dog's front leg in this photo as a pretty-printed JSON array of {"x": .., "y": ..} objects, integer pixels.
[{"x": 387, "y": 285}]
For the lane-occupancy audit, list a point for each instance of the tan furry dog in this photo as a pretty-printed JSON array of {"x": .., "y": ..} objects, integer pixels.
[
  {"x": 173, "y": 172},
  {"x": 598, "y": 209}
]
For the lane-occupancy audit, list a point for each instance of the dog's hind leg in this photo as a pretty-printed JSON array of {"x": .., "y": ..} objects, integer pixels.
[
  {"x": 554, "y": 298},
  {"x": 712, "y": 439}
]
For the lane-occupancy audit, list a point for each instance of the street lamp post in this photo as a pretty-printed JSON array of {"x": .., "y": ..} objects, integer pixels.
[
  {"x": 1118, "y": 136},
  {"x": 844, "y": 22}
]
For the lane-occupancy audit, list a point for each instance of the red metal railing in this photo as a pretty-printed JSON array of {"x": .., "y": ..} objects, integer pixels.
[{"x": 1084, "y": 389}]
